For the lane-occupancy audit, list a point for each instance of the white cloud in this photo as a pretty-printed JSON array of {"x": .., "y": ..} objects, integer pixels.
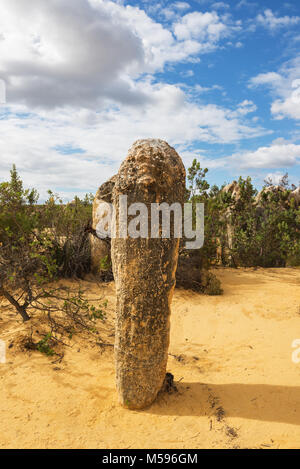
[
  {"x": 273, "y": 22},
  {"x": 103, "y": 137},
  {"x": 181, "y": 5},
  {"x": 47, "y": 60},
  {"x": 198, "y": 89},
  {"x": 205, "y": 27},
  {"x": 276, "y": 177},
  {"x": 280, "y": 141},
  {"x": 246, "y": 107},
  {"x": 270, "y": 78},
  {"x": 173, "y": 10},
  {"x": 277, "y": 156},
  {"x": 285, "y": 87},
  {"x": 188, "y": 73},
  {"x": 80, "y": 75},
  {"x": 274, "y": 156},
  {"x": 220, "y": 5},
  {"x": 168, "y": 13},
  {"x": 95, "y": 55},
  {"x": 290, "y": 106},
  {"x": 246, "y": 4}
]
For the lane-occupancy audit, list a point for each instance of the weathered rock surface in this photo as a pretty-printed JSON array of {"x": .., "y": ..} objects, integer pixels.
[
  {"x": 235, "y": 191},
  {"x": 296, "y": 196},
  {"x": 280, "y": 194},
  {"x": 144, "y": 272},
  {"x": 267, "y": 191},
  {"x": 100, "y": 248}
]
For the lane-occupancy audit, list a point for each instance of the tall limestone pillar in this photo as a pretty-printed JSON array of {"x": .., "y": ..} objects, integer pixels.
[{"x": 144, "y": 271}]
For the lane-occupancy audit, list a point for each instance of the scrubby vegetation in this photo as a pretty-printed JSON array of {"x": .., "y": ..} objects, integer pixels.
[
  {"x": 40, "y": 244},
  {"x": 244, "y": 228}
]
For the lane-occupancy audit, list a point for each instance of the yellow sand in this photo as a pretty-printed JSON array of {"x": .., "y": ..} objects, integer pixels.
[{"x": 238, "y": 386}]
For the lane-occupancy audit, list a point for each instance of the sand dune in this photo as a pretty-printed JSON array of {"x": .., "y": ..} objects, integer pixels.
[{"x": 231, "y": 357}]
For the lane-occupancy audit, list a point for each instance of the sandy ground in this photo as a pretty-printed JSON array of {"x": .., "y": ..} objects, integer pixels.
[{"x": 231, "y": 357}]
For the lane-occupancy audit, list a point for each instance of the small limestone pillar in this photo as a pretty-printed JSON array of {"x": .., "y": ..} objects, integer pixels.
[
  {"x": 296, "y": 196},
  {"x": 100, "y": 248},
  {"x": 144, "y": 271}
]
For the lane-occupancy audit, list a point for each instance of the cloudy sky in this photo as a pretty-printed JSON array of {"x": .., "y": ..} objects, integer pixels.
[{"x": 220, "y": 81}]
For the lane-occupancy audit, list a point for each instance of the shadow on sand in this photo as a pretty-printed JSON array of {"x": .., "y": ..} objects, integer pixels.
[{"x": 264, "y": 402}]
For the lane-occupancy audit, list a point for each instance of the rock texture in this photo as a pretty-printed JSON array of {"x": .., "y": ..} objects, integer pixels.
[
  {"x": 296, "y": 196},
  {"x": 100, "y": 248},
  {"x": 144, "y": 272},
  {"x": 282, "y": 196},
  {"x": 266, "y": 192},
  {"x": 235, "y": 191}
]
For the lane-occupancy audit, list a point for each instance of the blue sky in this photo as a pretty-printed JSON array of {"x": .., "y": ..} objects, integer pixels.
[{"x": 220, "y": 81}]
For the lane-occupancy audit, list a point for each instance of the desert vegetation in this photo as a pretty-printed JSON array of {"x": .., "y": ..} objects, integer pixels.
[
  {"x": 247, "y": 228},
  {"x": 41, "y": 243}
]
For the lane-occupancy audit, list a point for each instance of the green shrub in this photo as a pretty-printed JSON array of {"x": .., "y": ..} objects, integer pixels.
[{"x": 39, "y": 243}]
